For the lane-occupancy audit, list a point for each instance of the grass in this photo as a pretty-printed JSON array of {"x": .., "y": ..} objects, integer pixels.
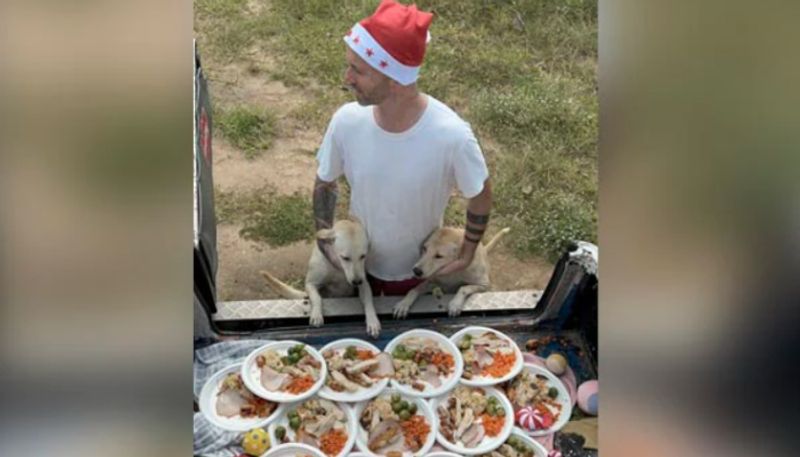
[
  {"x": 522, "y": 72},
  {"x": 269, "y": 217},
  {"x": 266, "y": 216},
  {"x": 249, "y": 129}
]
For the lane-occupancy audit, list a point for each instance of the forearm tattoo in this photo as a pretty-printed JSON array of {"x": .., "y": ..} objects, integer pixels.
[
  {"x": 480, "y": 219},
  {"x": 476, "y": 226},
  {"x": 324, "y": 202}
]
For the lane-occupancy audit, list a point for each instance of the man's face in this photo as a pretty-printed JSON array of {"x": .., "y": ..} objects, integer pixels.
[{"x": 369, "y": 85}]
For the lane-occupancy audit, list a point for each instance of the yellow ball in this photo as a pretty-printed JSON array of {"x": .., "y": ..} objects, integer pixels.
[{"x": 255, "y": 442}]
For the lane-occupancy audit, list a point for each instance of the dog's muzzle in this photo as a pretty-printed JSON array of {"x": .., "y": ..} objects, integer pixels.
[{"x": 417, "y": 272}]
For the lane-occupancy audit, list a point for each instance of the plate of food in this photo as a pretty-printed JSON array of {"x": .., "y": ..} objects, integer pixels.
[
  {"x": 319, "y": 423},
  {"x": 357, "y": 370},
  {"x": 473, "y": 420},
  {"x": 426, "y": 364},
  {"x": 227, "y": 403},
  {"x": 441, "y": 454},
  {"x": 394, "y": 424},
  {"x": 490, "y": 357},
  {"x": 284, "y": 371},
  {"x": 540, "y": 400},
  {"x": 293, "y": 450},
  {"x": 518, "y": 444}
]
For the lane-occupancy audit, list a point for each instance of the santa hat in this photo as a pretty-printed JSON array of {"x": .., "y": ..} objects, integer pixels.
[{"x": 392, "y": 40}]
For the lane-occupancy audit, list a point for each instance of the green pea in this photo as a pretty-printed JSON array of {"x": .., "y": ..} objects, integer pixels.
[
  {"x": 404, "y": 404},
  {"x": 552, "y": 392},
  {"x": 501, "y": 412},
  {"x": 405, "y": 415},
  {"x": 280, "y": 432},
  {"x": 294, "y": 423},
  {"x": 396, "y": 398},
  {"x": 412, "y": 408},
  {"x": 397, "y": 407}
]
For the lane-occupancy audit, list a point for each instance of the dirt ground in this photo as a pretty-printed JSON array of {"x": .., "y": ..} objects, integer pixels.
[{"x": 289, "y": 166}]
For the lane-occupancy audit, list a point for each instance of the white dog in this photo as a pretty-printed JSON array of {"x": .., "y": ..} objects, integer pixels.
[
  {"x": 440, "y": 248},
  {"x": 337, "y": 277}
]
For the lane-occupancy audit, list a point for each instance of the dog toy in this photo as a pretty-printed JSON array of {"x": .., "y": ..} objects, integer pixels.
[
  {"x": 255, "y": 442},
  {"x": 588, "y": 397},
  {"x": 556, "y": 363}
]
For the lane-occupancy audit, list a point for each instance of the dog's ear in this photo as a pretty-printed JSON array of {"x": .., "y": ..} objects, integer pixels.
[{"x": 327, "y": 235}]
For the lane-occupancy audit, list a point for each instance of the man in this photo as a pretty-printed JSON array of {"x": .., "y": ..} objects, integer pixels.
[{"x": 401, "y": 151}]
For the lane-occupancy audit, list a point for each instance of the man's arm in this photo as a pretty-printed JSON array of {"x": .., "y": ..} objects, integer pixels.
[
  {"x": 478, "y": 210},
  {"x": 324, "y": 203}
]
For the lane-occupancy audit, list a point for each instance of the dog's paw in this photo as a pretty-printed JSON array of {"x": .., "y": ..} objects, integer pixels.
[
  {"x": 454, "y": 307},
  {"x": 401, "y": 309},
  {"x": 373, "y": 327},
  {"x": 316, "y": 318}
]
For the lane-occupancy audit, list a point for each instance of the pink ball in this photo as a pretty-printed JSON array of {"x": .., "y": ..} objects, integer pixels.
[{"x": 588, "y": 397}]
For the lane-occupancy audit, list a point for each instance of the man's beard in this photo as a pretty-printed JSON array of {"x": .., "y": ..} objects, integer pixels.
[{"x": 366, "y": 99}]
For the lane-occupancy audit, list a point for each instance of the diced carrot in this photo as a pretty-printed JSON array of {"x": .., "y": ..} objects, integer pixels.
[
  {"x": 332, "y": 442},
  {"x": 501, "y": 365},
  {"x": 300, "y": 385},
  {"x": 493, "y": 425}
]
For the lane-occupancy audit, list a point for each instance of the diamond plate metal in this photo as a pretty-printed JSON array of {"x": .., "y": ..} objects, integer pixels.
[{"x": 284, "y": 309}]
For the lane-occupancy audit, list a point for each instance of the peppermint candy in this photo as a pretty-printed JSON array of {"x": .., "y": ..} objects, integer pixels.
[{"x": 530, "y": 418}]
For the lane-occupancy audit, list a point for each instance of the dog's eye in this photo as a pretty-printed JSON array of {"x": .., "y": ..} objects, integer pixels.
[
  {"x": 346, "y": 259},
  {"x": 438, "y": 256}
]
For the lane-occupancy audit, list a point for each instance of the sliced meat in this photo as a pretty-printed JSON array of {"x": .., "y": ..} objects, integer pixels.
[
  {"x": 321, "y": 426},
  {"x": 385, "y": 366},
  {"x": 305, "y": 438},
  {"x": 473, "y": 435},
  {"x": 384, "y": 434},
  {"x": 431, "y": 376},
  {"x": 331, "y": 409},
  {"x": 230, "y": 403},
  {"x": 349, "y": 385},
  {"x": 361, "y": 367},
  {"x": 484, "y": 358},
  {"x": 272, "y": 380},
  {"x": 465, "y": 423}
]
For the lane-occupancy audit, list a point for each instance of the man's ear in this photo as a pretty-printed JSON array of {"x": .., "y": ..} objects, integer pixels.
[{"x": 327, "y": 235}]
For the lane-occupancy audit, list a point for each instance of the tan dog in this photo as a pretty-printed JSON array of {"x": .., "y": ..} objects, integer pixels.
[
  {"x": 350, "y": 245},
  {"x": 440, "y": 248}
]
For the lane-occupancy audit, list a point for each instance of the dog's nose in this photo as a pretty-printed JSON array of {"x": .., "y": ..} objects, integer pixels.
[
  {"x": 417, "y": 272},
  {"x": 357, "y": 282}
]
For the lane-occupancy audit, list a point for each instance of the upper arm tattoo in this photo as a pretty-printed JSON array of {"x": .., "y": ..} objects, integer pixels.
[{"x": 324, "y": 202}]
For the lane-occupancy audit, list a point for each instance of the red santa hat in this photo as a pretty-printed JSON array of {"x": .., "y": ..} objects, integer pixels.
[{"x": 392, "y": 40}]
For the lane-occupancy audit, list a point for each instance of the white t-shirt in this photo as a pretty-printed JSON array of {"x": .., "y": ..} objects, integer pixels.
[{"x": 400, "y": 183}]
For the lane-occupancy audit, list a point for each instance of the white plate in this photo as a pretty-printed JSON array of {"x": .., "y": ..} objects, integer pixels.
[
  {"x": 284, "y": 421},
  {"x": 447, "y": 345},
  {"x": 363, "y": 394},
  {"x": 293, "y": 450},
  {"x": 251, "y": 374},
  {"x": 483, "y": 380},
  {"x": 208, "y": 402},
  {"x": 562, "y": 398},
  {"x": 488, "y": 444},
  {"x": 538, "y": 449},
  {"x": 423, "y": 408}
]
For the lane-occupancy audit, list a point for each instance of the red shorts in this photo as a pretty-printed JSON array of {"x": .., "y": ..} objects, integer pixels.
[{"x": 381, "y": 287}]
